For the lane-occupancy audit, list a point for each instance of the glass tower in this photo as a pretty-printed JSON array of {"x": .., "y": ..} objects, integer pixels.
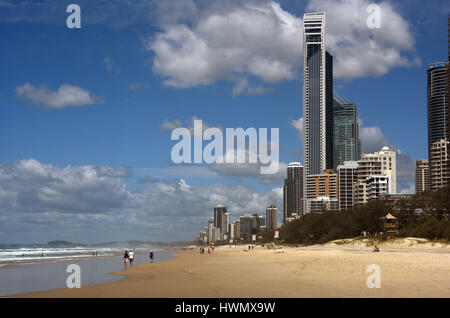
[{"x": 346, "y": 143}]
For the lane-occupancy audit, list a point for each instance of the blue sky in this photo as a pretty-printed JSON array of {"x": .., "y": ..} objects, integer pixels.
[{"x": 95, "y": 165}]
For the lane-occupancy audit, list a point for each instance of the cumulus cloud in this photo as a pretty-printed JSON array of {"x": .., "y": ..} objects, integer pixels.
[
  {"x": 45, "y": 201},
  {"x": 227, "y": 39},
  {"x": 65, "y": 96},
  {"x": 232, "y": 40}
]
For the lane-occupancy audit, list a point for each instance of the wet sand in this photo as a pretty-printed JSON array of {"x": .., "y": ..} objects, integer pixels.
[{"x": 322, "y": 271}]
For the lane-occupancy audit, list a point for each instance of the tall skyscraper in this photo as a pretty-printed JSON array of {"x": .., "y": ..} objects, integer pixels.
[
  {"x": 436, "y": 95},
  {"x": 346, "y": 143},
  {"x": 219, "y": 217},
  {"x": 226, "y": 226},
  {"x": 314, "y": 93},
  {"x": 422, "y": 175},
  {"x": 293, "y": 191},
  {"x": 271, "y": 217},
  {"x": 329, "y": 118}
]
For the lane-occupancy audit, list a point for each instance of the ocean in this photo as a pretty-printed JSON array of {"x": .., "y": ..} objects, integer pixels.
[{"x": 25, "y": 270}]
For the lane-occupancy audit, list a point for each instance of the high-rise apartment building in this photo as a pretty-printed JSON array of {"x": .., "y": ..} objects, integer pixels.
[
  {"x": 377, "y": 186},
  {"x": 315, "y": 94},
  {"x": 271, "y": 217},
  {"x": 422, "y": 175},
  {"x": 436, "y": 97},
  {"x": 439, "y": 171},
  {"x": 346, "y": 143},
  {"x": 293, "y": 191},
  {"x": 225, "y": 226},
  {"x": 347, "y": 178},
  {"x": 219, "y": 217},
  {"x": 388, "y": 161}
]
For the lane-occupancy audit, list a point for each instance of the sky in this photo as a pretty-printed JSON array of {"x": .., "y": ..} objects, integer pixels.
[{"x": 86, "y": 114}]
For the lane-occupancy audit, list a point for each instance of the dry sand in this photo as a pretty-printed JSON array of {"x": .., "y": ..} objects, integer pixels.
[{"x": 317, "y": 271}]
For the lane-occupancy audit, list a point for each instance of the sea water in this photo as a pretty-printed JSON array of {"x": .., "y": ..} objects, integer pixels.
[{"x": 25, "y": 270}]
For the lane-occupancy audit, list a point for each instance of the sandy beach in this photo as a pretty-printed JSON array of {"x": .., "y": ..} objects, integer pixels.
[{"x": 331, "y": 270}]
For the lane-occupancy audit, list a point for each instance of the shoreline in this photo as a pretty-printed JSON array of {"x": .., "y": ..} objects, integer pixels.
[
  {"x": 46, "y": 276},
  {"x": 315, "y": 271}
]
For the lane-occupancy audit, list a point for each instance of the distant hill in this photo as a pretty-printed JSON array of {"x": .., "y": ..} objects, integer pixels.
[{"x": 63, "y": 244}]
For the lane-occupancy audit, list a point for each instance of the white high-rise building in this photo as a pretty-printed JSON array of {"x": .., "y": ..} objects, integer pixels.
[
  {"x": 387, "y": 158},
  {"x": 347, "y": 177}
]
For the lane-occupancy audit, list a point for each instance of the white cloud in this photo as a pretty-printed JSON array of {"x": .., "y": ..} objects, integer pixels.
[
  {"x": 65, "y": 96},
  {"x": 298, "y": 125},
  {"x": 87, "y": 203},
  {"x": 228, "y": 39},
  {"x": 231, "y": 40}
]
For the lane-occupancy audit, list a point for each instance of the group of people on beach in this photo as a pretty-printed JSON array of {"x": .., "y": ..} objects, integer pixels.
[
  {"x": 129, "y": 257},
  {"x": 202, "y": 250}
]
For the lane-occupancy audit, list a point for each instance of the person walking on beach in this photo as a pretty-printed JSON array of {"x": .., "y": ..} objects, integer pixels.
[
  {"x": 151, "y": 256},
  {"x": 131, "y": 257},
  {"x": 125, "y": 259}
]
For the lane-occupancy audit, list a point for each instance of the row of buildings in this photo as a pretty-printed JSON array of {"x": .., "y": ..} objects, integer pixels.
[
  {"x": 222, "y": 229},
  {"x": 352, "y": 183}
]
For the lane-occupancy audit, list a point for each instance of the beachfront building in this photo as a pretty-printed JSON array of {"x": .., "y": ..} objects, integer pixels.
[
  {"x": 271, "y": 217},
  {"x": 436, "y": 103},
  {"x": 378, "y": 185},
  {"x": 317, "y": 64},
  {"x": 293, "y": 191},
  {"x": 225, "y": 226},
  {"x": 321, "y": 185},
  {"x": 237, "y": 229},
  {"x": 231, "y": 232},
  {"x": 347, "y": 178},
  {"x": 422, "y": 175},
  {"x": 367, "y": 166},
  {"x": 220, "y": 218},
  {"x": 387, "y": 158},
  {"x": 439, "y": 169},
  {"x": 249, "y": 224},
  {"x": 323, "y": 203},
  {"x": 210, "y": 232},
  {"x": 346, "y": 143}
]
